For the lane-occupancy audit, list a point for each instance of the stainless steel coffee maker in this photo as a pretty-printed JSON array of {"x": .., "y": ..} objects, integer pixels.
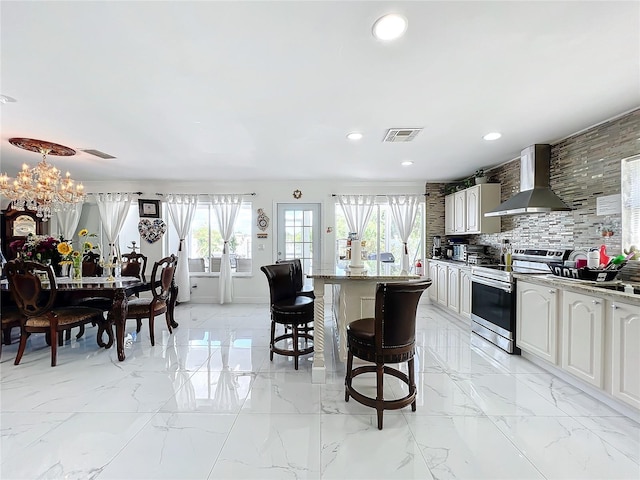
[{"x": 437, "y": 247}]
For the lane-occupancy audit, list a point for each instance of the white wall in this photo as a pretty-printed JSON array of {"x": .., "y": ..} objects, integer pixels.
[{"x": 252, "y": 289}]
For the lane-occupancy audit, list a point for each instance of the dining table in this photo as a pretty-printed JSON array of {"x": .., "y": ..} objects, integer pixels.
[{"x": 117, "y": 290}]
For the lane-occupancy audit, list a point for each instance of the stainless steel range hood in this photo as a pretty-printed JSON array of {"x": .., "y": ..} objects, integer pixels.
[{"x": 535, "y": 195}]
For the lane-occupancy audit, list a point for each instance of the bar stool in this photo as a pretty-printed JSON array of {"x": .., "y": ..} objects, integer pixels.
[{"x": 288, "y": 309}]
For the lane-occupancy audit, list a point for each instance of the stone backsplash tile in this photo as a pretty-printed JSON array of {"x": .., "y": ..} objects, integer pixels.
[{"x": 584, "y": 166}]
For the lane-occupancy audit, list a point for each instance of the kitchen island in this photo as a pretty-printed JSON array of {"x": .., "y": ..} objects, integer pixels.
[{"x": 353, "y": 298}]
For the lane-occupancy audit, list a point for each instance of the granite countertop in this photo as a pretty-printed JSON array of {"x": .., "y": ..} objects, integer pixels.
[
  {"x": 389, "y": 272},
  {"x": 601, "y": 289},
  {"x": 455, "y": 263}
]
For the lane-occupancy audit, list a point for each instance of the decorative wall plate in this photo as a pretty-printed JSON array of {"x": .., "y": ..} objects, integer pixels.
[{"x": 152, "y": 230}]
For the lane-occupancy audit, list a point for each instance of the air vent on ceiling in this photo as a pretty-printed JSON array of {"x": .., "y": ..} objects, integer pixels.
[
  {"x": 401, "y": 134},
  {"x": 98, "y": 153}
]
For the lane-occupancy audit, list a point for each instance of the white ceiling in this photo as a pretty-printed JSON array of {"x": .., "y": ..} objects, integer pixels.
[{"x": 248, "y": 90}]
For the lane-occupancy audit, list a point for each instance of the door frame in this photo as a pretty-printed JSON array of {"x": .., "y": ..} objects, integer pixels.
[{"x": 316, "y": 229}]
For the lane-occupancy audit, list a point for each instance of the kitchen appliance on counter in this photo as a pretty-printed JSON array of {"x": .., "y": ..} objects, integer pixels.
[
  {"x": 459, "y": 252},
  {"x": 437, "y": 248},
  {"x": 493, "y": 294}
]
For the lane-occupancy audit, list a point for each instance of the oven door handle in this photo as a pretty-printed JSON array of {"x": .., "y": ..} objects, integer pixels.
[{"x": 492, "y": 283}]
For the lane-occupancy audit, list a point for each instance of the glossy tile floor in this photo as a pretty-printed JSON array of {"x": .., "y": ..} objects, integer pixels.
[{"x": 206, "y": 403}]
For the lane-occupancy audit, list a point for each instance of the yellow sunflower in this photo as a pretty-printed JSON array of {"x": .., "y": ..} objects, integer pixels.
[
  {"x": 75, "y": 254},
  {"x": 64, "y": 248},
  {"x": 83, "y": 233},
  {"x": 87, "y": 246}
]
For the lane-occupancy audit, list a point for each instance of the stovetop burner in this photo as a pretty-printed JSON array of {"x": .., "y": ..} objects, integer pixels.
[{"x": 525, "y": 260}]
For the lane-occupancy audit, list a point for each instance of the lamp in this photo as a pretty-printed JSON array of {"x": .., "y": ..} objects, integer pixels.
[{"x": 41, "y": 188}]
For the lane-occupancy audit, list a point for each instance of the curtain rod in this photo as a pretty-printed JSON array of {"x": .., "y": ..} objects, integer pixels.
[
  {"x": 378, "y": 194},
  {"x": 252, "y": 194},
  {"x": 103, "y": 193}
]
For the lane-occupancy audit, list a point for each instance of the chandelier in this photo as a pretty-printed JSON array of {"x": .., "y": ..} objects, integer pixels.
[{"x": 41, "y": 188}]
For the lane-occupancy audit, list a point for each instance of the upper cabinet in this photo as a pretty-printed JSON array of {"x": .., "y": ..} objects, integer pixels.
[{"x": 464, "y": 210}]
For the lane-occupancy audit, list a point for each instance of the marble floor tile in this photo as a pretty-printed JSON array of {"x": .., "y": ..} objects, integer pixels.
[
  {"x": 206, "y": 402},
  {"x": 265, "y": 446},
  {"x": 351, "y": 444},
  {"x": 469, "y": 448},
  {"x": 563, "y": 448}
]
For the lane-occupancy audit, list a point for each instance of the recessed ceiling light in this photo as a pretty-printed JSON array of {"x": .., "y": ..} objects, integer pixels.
[
  {"x": 7, "y": 99},
  {"x": 406, "y": 163},
  {"x": 492, "y": 136},
  {"x": 390, "y": 27},
  {"x": 354, "y": 136}
]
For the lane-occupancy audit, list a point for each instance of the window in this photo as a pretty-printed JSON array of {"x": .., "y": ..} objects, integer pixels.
[
  {"x": 382, "y": 239},
  {"x": 205, "y": 239},
  {"x": 129, "y": 232},
  {"x": 630, "y": 202}
]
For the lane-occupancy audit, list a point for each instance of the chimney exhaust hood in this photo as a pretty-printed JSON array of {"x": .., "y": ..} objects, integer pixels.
[{"x": 535, "y": 195}]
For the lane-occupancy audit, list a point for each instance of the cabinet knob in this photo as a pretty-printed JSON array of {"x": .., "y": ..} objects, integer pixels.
[
  {"x": 552, "y": 292},
  {"x": 614, "y": 306},
  {"x": 595, "y": 302}
]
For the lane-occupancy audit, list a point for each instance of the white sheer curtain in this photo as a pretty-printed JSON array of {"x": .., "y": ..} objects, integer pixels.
[
  {"x": 68, "y": 218},
  {"x": 227, "y": 208},
  {"x": 182, "y": 208},
  {"x": 404, "y": 209},
  {"x": 113, "y": 208},
  {"x": 357, "y": 211}
]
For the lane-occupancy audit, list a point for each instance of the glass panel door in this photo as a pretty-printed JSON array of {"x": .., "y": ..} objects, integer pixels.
[{"x": 299, "y": 233}]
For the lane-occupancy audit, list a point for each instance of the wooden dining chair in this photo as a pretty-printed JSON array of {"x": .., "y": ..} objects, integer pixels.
[
  {"x": 162, "y": 278},
  {"x": 133, "y": 265},
  {"x": 36, "y": 304},
  {"x": 91, "y": 265}
]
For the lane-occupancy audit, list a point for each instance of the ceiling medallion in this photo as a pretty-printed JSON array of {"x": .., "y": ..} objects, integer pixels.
[
  {"x": 297, "y": 194},
  {"x": 40, "y": 146}
]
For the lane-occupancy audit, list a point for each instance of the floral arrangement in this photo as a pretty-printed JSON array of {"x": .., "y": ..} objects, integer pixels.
[
  {"x": 69, "y": 256},
  {"x": 39, "y": 248}
]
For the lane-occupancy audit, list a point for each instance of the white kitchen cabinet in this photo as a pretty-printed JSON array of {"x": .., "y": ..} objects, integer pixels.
[
  {"x": 449, "y": 215},
  {"x": 537, "y": 320},
  {"x": 433, "y": 275},
  {"x": 479, "y": 200},
  {"x": 441, "y": 275},
  {"x": 464, "y": 210},
  {"x": 465, "y": 292},
  {"x": 460, "y": 211},
  {"x": 453, "y": 288},
  {"x": 583, "y": 336},
  {"x": 625, "y": 383}
]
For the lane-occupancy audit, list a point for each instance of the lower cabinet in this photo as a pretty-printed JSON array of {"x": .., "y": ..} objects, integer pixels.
[
  {"x": 583, "y": 337},
  {"x": 465, "y": 292},
  {"x": 433, "y": 275},
  {"x": 537, "y": 320},
  {"x": 441, "y": 275},
  {"x": 625, "y": 382},
  {"x": 453, "y": 289},
  {"x": 595, "y": 339}
]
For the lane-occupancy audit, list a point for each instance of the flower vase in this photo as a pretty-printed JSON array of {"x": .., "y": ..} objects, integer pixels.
[
  {"x": 64, "y": 269},
  {"x": 76, "y": 270}
]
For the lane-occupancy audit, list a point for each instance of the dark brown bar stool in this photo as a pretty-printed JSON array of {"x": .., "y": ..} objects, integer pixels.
[
  {"x": 288, "y": 309},
  {"x": 390, "y": 337}
]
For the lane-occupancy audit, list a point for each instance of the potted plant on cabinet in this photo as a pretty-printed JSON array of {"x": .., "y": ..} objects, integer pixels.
[{"x": 480, "y": 176}]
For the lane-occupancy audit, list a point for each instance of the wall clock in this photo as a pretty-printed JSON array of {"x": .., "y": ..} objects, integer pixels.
[{"x": 263, "y": 220}]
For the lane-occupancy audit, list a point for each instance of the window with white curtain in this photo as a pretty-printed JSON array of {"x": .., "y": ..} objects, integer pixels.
[
  {"x": 205, "y": 240},
  {"x": 382, "y": 238},
  {"x": 129, "y": 232},
  {"x": 630, "y": 191}
]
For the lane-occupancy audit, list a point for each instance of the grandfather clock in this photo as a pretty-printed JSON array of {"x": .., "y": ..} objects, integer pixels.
[{"x": 18, "y": 224}]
